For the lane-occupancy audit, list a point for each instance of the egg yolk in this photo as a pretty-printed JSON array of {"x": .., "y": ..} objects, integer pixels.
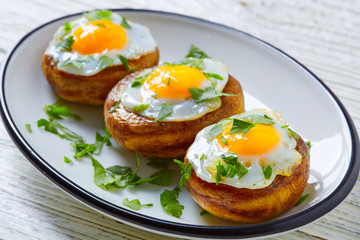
[
  {"x": 259, "y": 140},
  {"x": 97, "y": 36},
  {"x": 174, "y": 81}
]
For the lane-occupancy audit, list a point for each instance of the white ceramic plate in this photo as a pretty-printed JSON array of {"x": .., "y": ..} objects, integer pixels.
[{"x": 270, "y": 79}]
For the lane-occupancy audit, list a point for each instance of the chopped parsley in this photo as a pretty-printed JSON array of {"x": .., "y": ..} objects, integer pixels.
[
  {"x": 66, "y": 44},
  {"x": 104, "y": 62},
  {"x": 203, "y": 212},
  {"x": 267, "y": 171},
  {"x": 124, "y": 23},
  {"x": 135, "y": 204},
  {"x": 163, "y": 177},
  {"x": 124, "y": 61},
  {"x": 195, "y": 52},
  {"x": 113, "y": 108},
  {"x": 57, "y": 111},
  {"x": 54, "y": 127},
  {"x": 169, "y": 202},
  {"x": 195, "y": 63},
  {"x": 140, "y": 79},
  {"x": 28, "y": 128},
  {"x": 165, "y": 110},
  {"x": 213, "y": 75},
  {"x": 224, "y": 140},
  {"x": 202, "y": 157},
  {"x": 186, "y": 170},
  {"x": 67, "y": 160},
  {"x": 77, "y": 62},
  {"x": 141, "y": 108},
  {"x": 308, "y": 143},
  {"x": 295, "y": 135},
  {"x": 202, "y": 95},
  {"x": 233, "y": 168},
  {"x": 158, "y": 163},
  {"x": 98, "y": 15},
  {"x": 301, "y": 199},
  {"x": 240, "y": 126},
  {"x": 215, "y": 131}
]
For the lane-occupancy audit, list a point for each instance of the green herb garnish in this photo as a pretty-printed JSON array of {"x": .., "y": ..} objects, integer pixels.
[
  {"x": 186, "y": 170},
  {"x": 135, "y": 204},
  {"x": 224, "y": 140},
  {"x": 201, "y": 95},
  {"x": 66, "y": 44},
  {"x": 124, "y": 23},
  {"x": 77, "y": 62},
  {"x": 113, "y": 108},
  {"x": 267, "y": 171},
  {"x": 301, "y": 199},
  {"x": 67, "y": 160},
  {"x": 213, "y": 75},
  {"x": 203, "y": 212},
  {"x": 202, "y": 157},
  {"x": 57, "y": 111},
  {"x": 98, "y": 15},
  {"x": 295, "y": 135},
  {"x": 165, "y": 110},
  {"x": 104, "y": 62},
  {"x": 220, "y": 172},
  {"x": 28, "y": 128},
  {"x": 140, "y": 108},
  {"x": 195, "y": 63},
  {"x": 308, "y": 143},
  {"x": 169, "y": 202},
  {"x": 124, "y": 61},
  {"x": 195, "y": 52},
  {"x": 163, "y": 177},
  {"x": 158, "y": 163},
  {"x": 215, "y": 131},
  {"x": 101, "y": 177},
  {"x": 56, "y": 128},
  {"x": 139, "y": 79}
]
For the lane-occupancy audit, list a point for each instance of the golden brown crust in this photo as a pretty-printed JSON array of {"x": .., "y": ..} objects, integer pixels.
[
  {"x": 164, "y": 139},
  {"x": 251, "y": 206},
  {"x": 91, "y": 89}
]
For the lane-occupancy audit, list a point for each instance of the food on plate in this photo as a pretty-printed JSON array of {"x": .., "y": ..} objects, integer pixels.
[
  {"x": 90, "y": 54},
  {"x": 158, "y": 111},
  {"x": 248, "y": 168}
]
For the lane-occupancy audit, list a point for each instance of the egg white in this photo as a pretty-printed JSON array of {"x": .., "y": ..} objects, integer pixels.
[
  {"x": 139, "y": 43},
  {"x": 282, "y": 158},
  {"x": 183, "y": 109}
]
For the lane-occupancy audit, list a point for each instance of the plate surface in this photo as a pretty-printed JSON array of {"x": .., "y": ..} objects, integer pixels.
[{"x": 270, "y": 79}]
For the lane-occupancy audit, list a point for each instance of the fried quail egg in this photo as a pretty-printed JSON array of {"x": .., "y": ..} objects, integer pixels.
[
  {"x": 190, "y": 88},
  {"x": 97, "y": 40},
  {"x": 257, "y": 145}
]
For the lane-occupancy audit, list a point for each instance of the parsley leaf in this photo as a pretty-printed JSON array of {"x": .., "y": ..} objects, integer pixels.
[
  {"x": 66, "y": 44},
  {"x": 77, "y": 62},
  {"x": 195, "y": 63},
  {"x": 163, "y": 177},
  {"x": 224, "y": 140},
  {"x": 230, "y": 157},
  {"x": 135, "y": 204},
  {"x": 159, "y": 163},
  {"x": 101, "y": 177},
  {"x": 215, "y": 131},
  {"x": 201, "y": 95},
  {"x": 113, "y": 108},
  {"x": 66, "y": 30},
  {"x": 124, "y": 23},
  {"x": 120, "y": 170},
  {"x": 140, "y": 108},
  {"x": 169, "y": 202},
  {"x": 28, "y": 128},
  {"x": 165, "y": 110},
  {"x": 220, "y": 172},
  {"x": 195, "y": 52},
  {"x": 139, "y": 79},
  {"x": 308, "y": 143},
  {"x": 56, "y": 128},
  {"x": 267, "y": 171},
  {"x": 240, "y": 126},
  {"x": 301, "y": 199},
  {"x": 98, "y": 15},
  {"x": 259, "y": 119},
  {"x": 295, "y": 135},
  {"x": 104, "y": 62},
  {"x": 67, "y": 160},
  {"x": 56, "y": 111},
  {"x": 124, "y": 61},
  {"x": 213, "y": 75},
  {"x": 186, "y": 170},
  {"x": 203, "y": 212}
]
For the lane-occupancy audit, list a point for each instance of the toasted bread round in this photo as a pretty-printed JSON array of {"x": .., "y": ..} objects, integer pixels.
[
  {"x": 91, "y": 89},
  {"x": 164, "y": 139},
  {"x": 252, "y": 205}
]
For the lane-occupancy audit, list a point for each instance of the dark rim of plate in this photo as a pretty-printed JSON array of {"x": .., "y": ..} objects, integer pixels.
[{"x": 179, "y": 229}]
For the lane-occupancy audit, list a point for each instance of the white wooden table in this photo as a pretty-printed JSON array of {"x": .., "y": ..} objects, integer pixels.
[{"x": 323, "y": 35}]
